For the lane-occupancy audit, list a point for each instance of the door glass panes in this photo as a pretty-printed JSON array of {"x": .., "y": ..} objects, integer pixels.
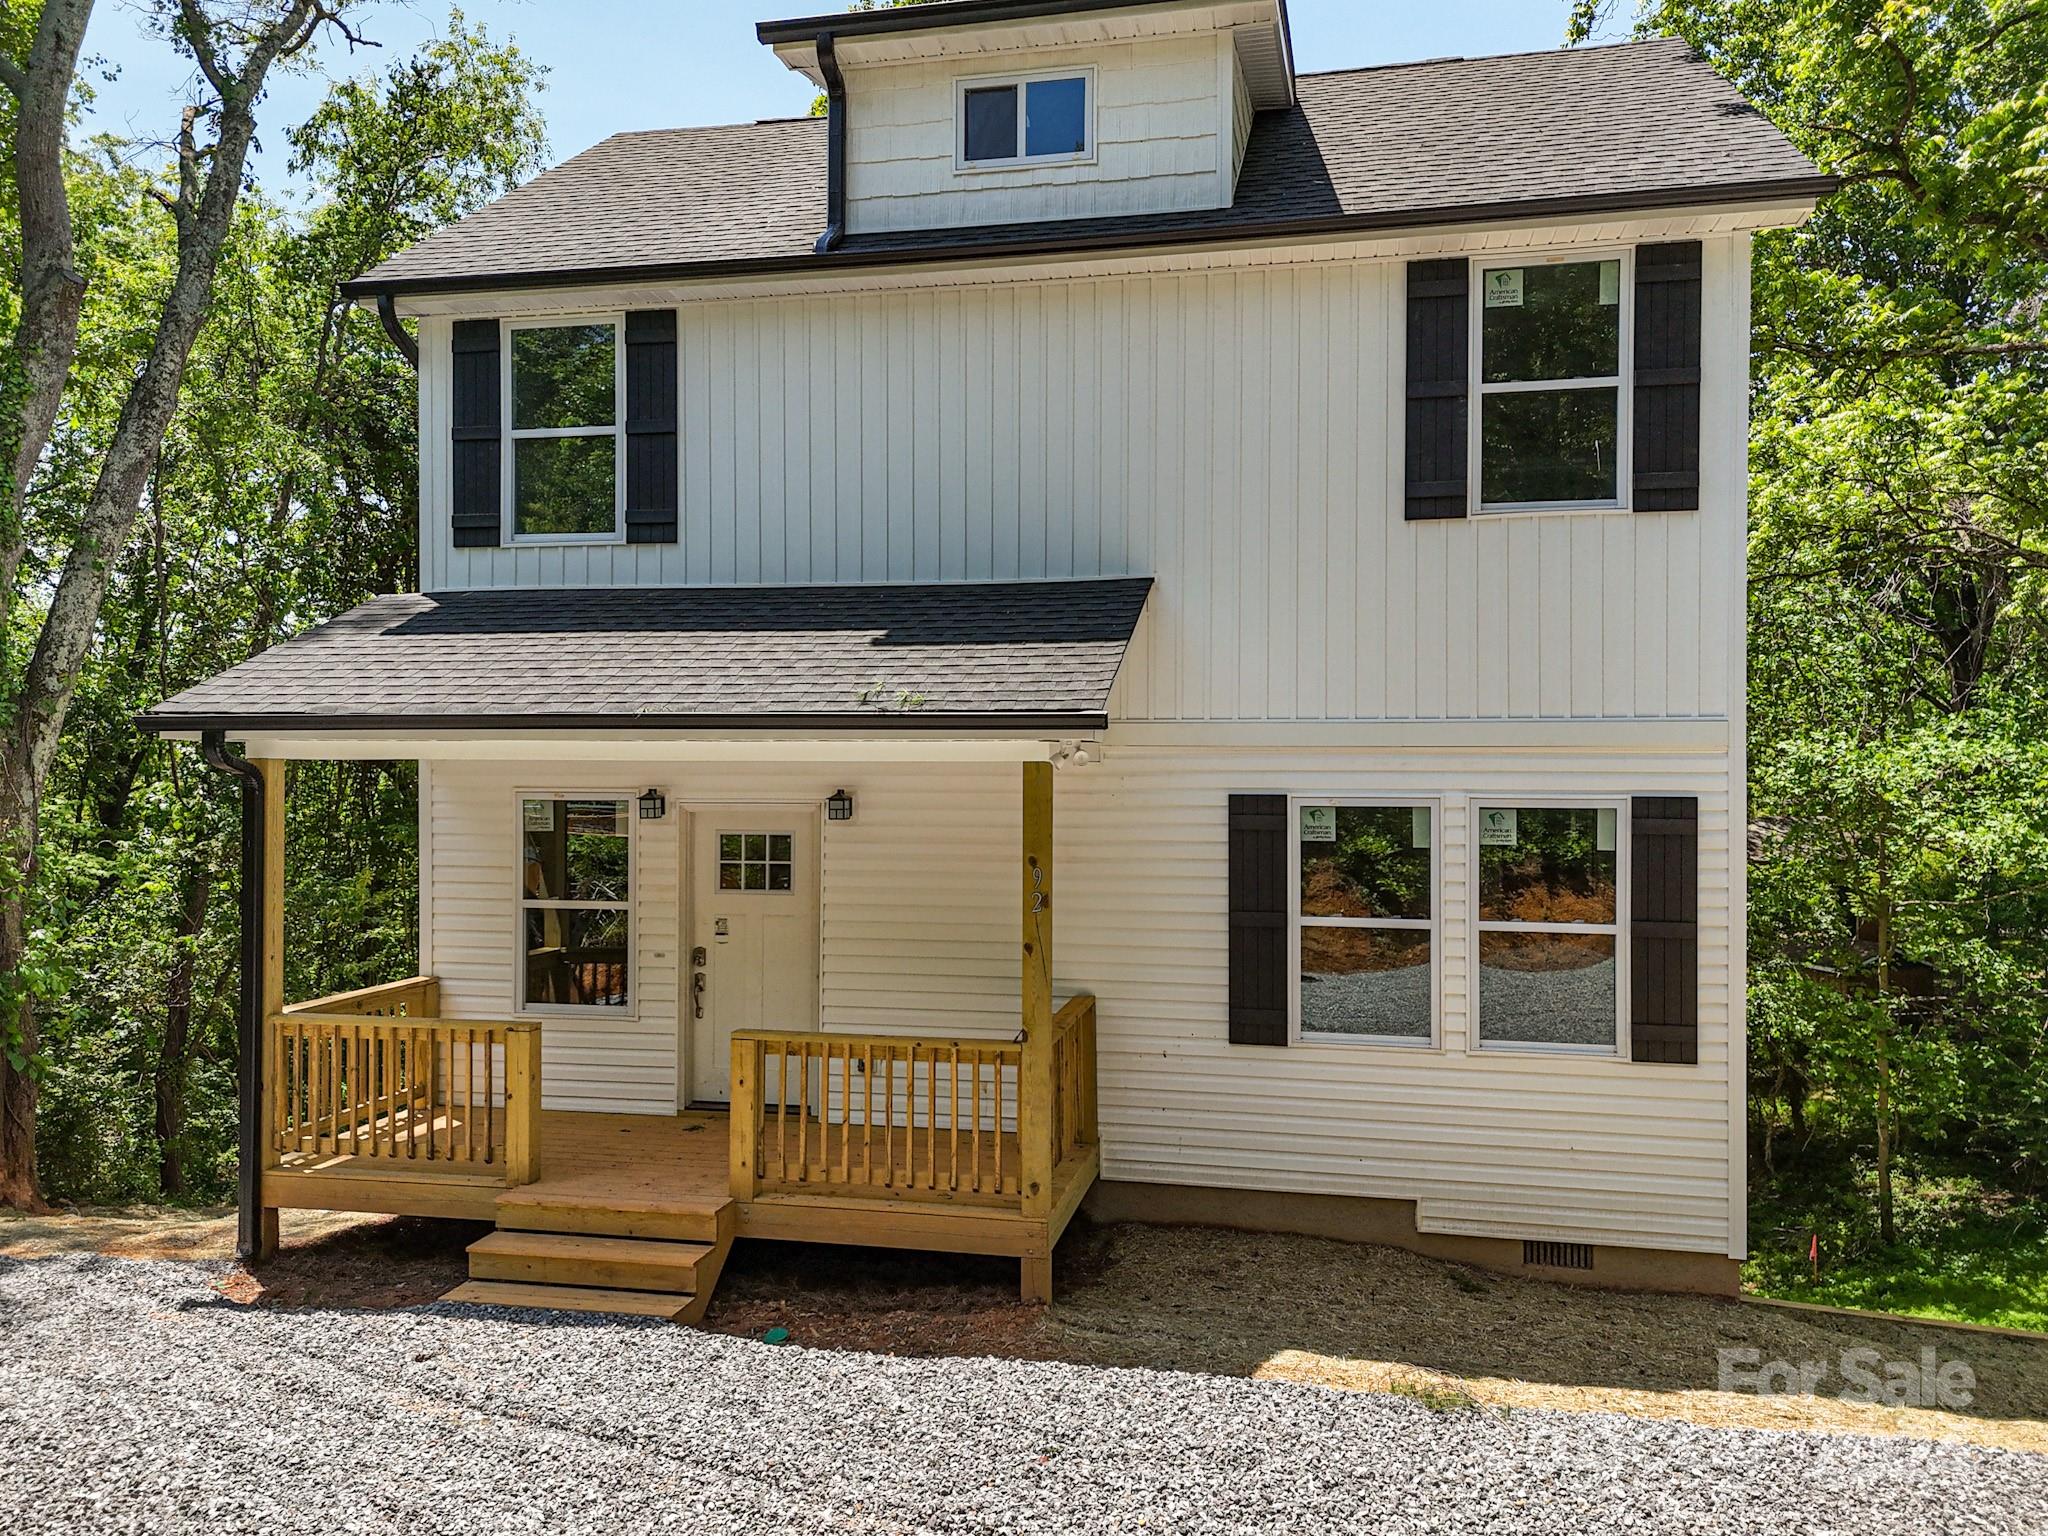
[{"x": 756, "y": 861}]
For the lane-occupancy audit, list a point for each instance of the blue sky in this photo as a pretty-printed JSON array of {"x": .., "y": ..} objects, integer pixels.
[{"x": 619, "y": 64}]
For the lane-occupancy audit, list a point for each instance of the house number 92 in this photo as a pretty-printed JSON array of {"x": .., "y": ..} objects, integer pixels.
[{"x": 1037, "y": 891}]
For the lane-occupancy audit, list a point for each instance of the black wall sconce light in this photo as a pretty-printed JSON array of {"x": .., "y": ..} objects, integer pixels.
[
  {"x": 840, "y": 806},
  {"x": 653, "y": 805}
]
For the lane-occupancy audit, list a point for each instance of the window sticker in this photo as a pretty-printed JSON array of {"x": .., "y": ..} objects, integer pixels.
[
  {"x": 1504, "y": 288},
  {"x": 1498, "y": 827},
  {"x": 1319, "y": 824},
  {"x": 1608, "y": 831},
  {"x": 540, "y": 815},
  {"x": 1610, "y": 282},
  {"x": 1419, "y": 828}
]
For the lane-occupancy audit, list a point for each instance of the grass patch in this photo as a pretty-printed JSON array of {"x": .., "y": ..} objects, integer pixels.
[
  {"x": 1437, "y": 1396},
  {"x": 1967, "y": 1251}
]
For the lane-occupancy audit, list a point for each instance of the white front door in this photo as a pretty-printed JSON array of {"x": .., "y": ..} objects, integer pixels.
[{"x": 754, "y": 932}]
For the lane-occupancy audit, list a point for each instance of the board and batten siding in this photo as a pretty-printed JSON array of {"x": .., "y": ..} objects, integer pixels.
[
  {"x": 919, "y": 935},
  {"x": 1163, "y": 114},
  {"x": 1233, "y": 431}
]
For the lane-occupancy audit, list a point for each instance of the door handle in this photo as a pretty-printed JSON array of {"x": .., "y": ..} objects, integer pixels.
[{"x": 697, "y": 995}]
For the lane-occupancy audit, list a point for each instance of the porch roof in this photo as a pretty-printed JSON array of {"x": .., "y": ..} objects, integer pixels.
[{"x": 1034, "y": 657}]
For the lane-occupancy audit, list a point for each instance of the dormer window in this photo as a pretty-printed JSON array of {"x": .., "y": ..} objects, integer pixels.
[{"x": 1026, "y": 120}]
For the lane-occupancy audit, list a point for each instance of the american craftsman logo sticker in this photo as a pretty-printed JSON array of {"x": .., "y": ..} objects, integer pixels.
[
  {"x": 1319, "y": 823},
  {"x": 1504, "y": 288},
  {"x": 1498, "y": 829}
]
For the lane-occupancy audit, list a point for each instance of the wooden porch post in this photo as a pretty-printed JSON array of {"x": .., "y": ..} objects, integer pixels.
[
  {"x": 1035, "y": 1072},
  {"x": 522, "y": 1105},
  {"x": 271, "y": 992}
]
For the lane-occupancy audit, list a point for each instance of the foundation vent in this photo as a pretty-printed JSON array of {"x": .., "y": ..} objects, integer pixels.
[{"x": 1557, "y": 1255}]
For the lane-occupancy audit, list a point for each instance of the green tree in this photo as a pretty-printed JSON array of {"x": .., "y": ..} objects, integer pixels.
[{"x": 1899, "y": 541}]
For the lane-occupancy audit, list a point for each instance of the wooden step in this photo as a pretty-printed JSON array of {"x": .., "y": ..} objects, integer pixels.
[
  {"x": 605, "y": 1263},
  {"x": 534, "y": 1208},
  {"x": 573, "y": 1298}
]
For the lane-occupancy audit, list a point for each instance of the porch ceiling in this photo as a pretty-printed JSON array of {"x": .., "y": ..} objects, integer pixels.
[{"x": 1019, "y": 658}]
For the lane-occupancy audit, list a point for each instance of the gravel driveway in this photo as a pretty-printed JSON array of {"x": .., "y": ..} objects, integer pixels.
[{"x": 132, "y": 1398}]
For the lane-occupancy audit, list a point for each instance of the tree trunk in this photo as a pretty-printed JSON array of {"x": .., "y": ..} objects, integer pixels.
[
  {"x": 41, "y": 700},
  {"x": 1887, "y": 1225},
  {"x": 19, "y": 1184},
  {"x": 175, "y": 1054},
  {"x": 52, "y": 292}
]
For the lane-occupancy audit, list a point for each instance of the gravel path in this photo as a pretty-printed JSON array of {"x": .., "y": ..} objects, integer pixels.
[{"x": 131, "y": 1398}]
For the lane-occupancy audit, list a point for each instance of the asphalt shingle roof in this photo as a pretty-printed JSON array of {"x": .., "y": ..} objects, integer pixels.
[
  {"x": 850, "y": 657},
  {"x": 1631, "y": 125}
]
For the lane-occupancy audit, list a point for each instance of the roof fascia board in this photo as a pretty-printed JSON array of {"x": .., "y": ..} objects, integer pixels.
[
  {"x": 1770, "y": 207},
  {"x": 615, "y": 747},
  {"x": 721, "y": 727},
  {"x": 950, "y": 17}
]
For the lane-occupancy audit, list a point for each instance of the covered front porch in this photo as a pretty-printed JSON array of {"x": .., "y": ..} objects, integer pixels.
[
  {"x": 644, "y": 888},
  {"x": 374, "y": 1102}
]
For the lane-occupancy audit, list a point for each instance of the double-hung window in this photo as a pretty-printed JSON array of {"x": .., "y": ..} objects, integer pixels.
[
  {"x": 1365, "y": 920},
  {"x": 566, "y": 443},
  {"x": 576, "y": 903},
  {"x": 1551, "y": 882},
  {"x": 1026, "y": 120},
  {"x": 1551, "y": 349}
]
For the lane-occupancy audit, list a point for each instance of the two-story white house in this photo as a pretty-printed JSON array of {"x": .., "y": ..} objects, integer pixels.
[{"x": 1108, "y": 622}]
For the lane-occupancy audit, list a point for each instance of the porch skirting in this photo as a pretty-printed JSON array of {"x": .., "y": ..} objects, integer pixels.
[{"x": 1391, "y": 1223}]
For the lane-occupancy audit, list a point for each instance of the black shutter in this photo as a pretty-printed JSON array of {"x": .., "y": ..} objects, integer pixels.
[
  {"x": 1439, "y": 365},
  {"x": 651, "y": 463},
  {"x": 475, "y": 517},
  {"x": 1667, "y": 382},
  {"x": 1664, "y": 931},
  {"x": 1258, "y": 920}
]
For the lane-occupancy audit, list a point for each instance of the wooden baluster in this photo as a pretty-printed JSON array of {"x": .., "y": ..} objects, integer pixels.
[
  {"x": 782, "y": 1111},
  {"x": 803, "y": 1111},
  {"x": 889, "y": 1120},
  {"x": 931, "y": 1118},
  {"x": 846, "y": 1112},
  {"x": 998, "y": 1131},
  {"x": 974, "y": 1134},
  {"x": 867, "y": 1114},
  {"x": 953, "y": 1121},
  {"x": 490, "y": 1094},
  {"x": 469, "y": 1095}
]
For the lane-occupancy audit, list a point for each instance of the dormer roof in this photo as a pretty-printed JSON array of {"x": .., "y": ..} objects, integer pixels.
[
  {"x": 1628, "y": 127},
  {"x": 965, "y": 29}
]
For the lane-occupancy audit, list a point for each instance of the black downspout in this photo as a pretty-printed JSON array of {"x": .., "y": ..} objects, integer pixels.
[
  {"x": 387, "y": 314},
  {"x": 835, "y": 145},
  {"x": 249, "y": 1069}
]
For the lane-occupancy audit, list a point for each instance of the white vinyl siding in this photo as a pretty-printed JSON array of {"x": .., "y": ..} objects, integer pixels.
[
  {"x": 919, "y": 934},
  {"x": 1234, "y": 431},
  {"x": 1156, "y": 121}
]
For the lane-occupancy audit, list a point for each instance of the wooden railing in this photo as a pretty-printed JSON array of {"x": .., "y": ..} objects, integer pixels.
[
  {"x": 1073, "y": 1079},
  {"x": 901, "y": 1116},
  {"x": 373, "y": 1077}
]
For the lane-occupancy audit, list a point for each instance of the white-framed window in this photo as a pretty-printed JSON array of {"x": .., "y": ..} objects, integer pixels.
[
  {"x": 565, "y": 441},
  {"x": 1036, "y": 119},
  {"x": 1366, "y": 943},
  {"x": 1552, "y": 338},
  {"x": 575, "y": 903},
  {"x": 1550, "y": 968}
]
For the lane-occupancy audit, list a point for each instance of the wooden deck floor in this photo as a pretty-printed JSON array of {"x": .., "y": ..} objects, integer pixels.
[{"x": 662, "y": 1176}]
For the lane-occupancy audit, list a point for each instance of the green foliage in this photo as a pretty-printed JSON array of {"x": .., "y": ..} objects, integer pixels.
[
  {"x": 1967, "y": 1250},
  {"x": 285, "y": 493},
  {"x": 1899, "y": 665}
]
